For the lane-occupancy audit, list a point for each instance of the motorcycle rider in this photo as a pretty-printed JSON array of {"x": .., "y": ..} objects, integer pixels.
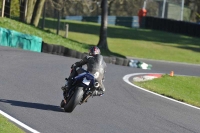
[{"x": 95, "y": 65}]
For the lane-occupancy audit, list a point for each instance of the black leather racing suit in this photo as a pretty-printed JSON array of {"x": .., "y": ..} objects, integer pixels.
[{"x": 95, "y": 64}]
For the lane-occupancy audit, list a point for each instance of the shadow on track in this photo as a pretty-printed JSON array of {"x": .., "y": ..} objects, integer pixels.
[{"x": 32, "y": 105}]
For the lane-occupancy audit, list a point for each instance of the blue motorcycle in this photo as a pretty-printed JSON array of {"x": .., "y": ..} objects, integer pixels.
[{"x": 82, "y": 88}]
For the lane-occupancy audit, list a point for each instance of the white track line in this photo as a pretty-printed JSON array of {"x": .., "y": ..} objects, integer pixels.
[
  {"x": 126, "y": 79},
  {"x": 18, "y": 122}
]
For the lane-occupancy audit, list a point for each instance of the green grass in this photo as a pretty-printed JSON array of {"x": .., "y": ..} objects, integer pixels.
[
  {"x": 47, "y": 36},
  {"x": 8, "y": 127},
  {"x": 182, "y": 88},
  {"x": 122, "y": 41}
]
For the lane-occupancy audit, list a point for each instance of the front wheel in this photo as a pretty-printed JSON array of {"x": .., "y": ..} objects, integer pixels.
[{"x": 74, "y": 100}]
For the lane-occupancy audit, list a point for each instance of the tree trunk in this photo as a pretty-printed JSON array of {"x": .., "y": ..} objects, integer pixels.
[
  {"x": 31, "y": 4},
  {"x": 7, "y": 8},
  {"x": 44, "y": 15},
  {"x": 23, "y": 8},
  {"x": 110, "y": 6},
  {"x": 103, "y": 29},
  {"x": 3, "y": 8},
  {"x": 37, "y": 12}
]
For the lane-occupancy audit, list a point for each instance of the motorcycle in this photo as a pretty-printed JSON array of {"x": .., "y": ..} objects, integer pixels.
[{"x": 82, "y": 88}]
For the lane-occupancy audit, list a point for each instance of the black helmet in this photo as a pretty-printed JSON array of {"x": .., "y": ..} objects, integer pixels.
[{"x": 94, "y": 50}]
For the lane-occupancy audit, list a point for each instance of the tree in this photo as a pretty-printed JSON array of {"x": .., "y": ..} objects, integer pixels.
[
  {"x": 37, "y": 12},
  {"x": 7, "y": 8},
  {"x": 30, "y": 7},
  {"x": 34, "y": 11},
  {"x": 194, "y": 6},
  {"x": 103, "y": 29},
  {"x": 23, "y": 5}
]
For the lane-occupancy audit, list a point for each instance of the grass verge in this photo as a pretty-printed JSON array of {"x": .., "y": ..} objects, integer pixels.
[
  {"x": 8, "y": 127},
  {"x": 181, "y": 88},
  {"x": 122, "y": 41}
]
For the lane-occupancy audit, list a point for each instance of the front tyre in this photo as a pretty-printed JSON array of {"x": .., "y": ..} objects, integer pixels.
[{"x": 75, "y": 100}]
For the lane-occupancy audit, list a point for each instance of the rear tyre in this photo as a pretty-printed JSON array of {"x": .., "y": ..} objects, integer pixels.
[{"x": 74, "y": 100}]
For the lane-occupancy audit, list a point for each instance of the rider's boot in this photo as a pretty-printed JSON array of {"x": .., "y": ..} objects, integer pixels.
[
  {"x": 66, "y": 88},
  {"x": 62, "y": 104},
  {"x": 69, "y": 81},
  {"x": 67, "y": 85}
]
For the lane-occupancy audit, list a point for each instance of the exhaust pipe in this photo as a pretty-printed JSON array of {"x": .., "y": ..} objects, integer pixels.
[{"x": 96, "y": 85}]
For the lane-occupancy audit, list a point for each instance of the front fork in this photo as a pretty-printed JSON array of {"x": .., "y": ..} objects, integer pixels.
[
  {"x": 85, "y": 99},
  {"x": 87, "y": 95}
]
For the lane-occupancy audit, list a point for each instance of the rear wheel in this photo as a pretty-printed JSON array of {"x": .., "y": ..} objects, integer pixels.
[{"x": 74, "y": 100}]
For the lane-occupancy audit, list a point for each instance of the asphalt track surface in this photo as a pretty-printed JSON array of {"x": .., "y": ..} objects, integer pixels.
[{"x": 30, "y": 92}]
